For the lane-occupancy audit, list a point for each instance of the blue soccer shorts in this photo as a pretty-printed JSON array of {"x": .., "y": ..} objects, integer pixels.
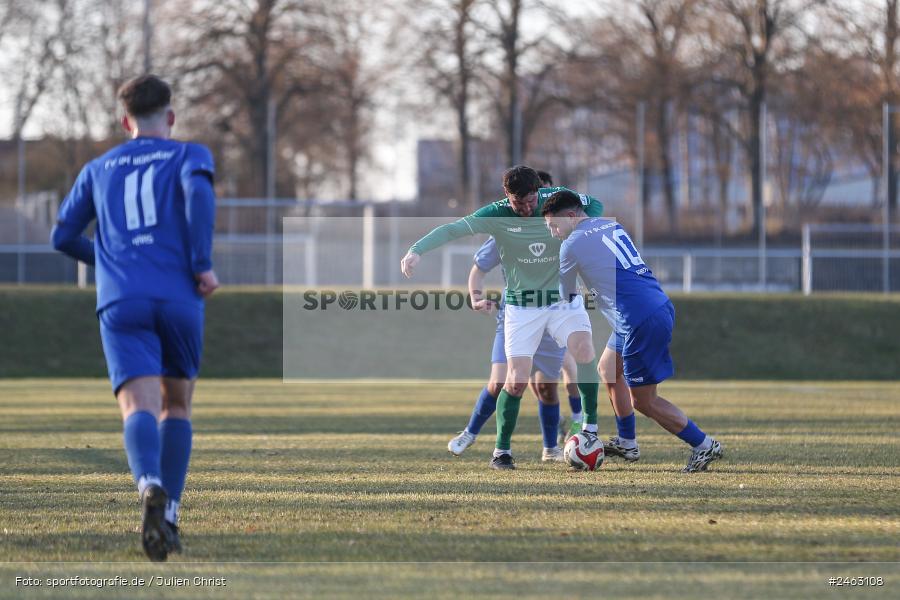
[
  {"x": 548, "y": 358},
  {"x": 645, "y": 354},
  {"x": 145, "y": 337}
]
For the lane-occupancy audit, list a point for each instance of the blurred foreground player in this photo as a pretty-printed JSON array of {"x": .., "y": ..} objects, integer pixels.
[{"x": 153, "y": 200}]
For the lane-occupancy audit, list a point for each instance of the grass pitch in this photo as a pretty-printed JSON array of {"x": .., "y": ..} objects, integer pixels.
[{"x": 359, "y": 473}]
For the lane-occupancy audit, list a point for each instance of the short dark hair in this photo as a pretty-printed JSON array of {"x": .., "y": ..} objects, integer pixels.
[
  {"x": 521, "y": 181},
  {"x": 560, "y": 201},
  {"x": 545, "y": 177},
  {"x": 144, "y": 95}
]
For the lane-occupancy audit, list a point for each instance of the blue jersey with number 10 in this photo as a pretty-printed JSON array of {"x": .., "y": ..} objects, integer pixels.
[
  {"x": 610, "y": 266},
  {"x": 153, "y": 235}
]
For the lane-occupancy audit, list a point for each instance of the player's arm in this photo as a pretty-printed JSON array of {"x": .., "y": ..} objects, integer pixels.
[
  {"x": 568, "y": 272},
  {"x": 200, "y": 211},
  {"x": 486, "y": 259},
  {"x": 478, "y": 222},
  {"x": 74, "y": 215}
]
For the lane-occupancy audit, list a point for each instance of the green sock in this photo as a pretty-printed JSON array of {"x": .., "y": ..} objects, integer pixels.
[
  {"x": 507, "y": 414},
  {"x": 589, "y": 387}
]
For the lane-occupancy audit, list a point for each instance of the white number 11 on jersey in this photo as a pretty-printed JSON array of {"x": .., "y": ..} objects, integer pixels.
[
  {"x": 148, "y": 202},
  {"x": 622, "y": 246}
]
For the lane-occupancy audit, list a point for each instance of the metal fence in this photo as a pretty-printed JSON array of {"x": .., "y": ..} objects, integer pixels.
[{"x": 362, "y": 249}]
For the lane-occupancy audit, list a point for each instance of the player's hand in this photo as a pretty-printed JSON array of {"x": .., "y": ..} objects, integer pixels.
[
  {"x": 207, "y": 283},
  {"x": 409, "y": 263},
  {"x": 484, "y": 306}
]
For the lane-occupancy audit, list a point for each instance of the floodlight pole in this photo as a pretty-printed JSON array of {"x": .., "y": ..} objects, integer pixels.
[
  {"x": 763, "y": 176},
  {"x": 20, "y": 202},
  {"x": 148, "y": 37},
  {"x": 886, "y": 110},
  {"x": 639, "y": 209}
]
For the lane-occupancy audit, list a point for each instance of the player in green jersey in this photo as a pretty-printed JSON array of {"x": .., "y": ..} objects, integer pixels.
[{"x": 530, "y": 257}]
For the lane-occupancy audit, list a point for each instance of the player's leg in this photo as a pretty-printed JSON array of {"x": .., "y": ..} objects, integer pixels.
[
  {"x": 181, "y": 333},
  {"x": 176, "y": 438},
  {"x": 484, "y": 407},
  {"x": 546, "y": 370},
  {"x": 570, "y": 377},
  {"x": 133, "y": 357},
  {"x": 548, "y": 411},
  {"x": 624, "y": 444},
  {"x": 571, "y": 327},
  {"x": 647, "y": 362},
  {"x": 524, "y": 328}
]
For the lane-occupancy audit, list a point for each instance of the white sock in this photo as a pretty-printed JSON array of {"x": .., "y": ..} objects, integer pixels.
[
  {"x": 144, "y": 482},
  {"x": 474, "y": 435},
  {"x": 499, "y": 452},
  {"x": 705, "y": 444},
  {"x": 627, "y": 443},
  {"x": 577, "y": 417},
  {"x": 590, "y": 427},
  {"x": 172, "y": 511}
]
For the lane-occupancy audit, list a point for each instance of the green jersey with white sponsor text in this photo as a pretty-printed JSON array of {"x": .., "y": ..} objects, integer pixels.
[{"x": 528, "y": 253}]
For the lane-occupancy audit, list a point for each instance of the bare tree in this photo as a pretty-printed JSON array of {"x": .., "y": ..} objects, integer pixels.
[
  {"x": 451, "y": 65},
  {"x": 243, "y": 60},
  {"x": 755, "y": 36},
  {"x": 521, "y": 73}
]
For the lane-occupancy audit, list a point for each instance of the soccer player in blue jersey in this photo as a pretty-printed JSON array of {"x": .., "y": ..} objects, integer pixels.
[
  {"x": 600, "y": 251},
  {"x": 153, "y": 201}
]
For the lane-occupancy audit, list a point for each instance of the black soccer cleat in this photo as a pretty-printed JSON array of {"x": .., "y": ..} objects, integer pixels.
[
  {"x": 504, "y": 462},
  {"x": 174, "y": 538},
  {"x": 700, "y": 459},
  {"x": 156, "y": 534}
]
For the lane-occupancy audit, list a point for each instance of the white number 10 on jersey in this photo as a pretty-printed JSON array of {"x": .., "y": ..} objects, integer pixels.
[
  {"x": 622, "y": 246},
  {"x": 148, "y": 202}
]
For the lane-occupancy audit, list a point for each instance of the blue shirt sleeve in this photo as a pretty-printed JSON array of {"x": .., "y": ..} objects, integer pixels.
[
  {"x": 568, "y": 272},
  {"x": 488, "y": 256},
  {"x": 200, "y": 204},
  {"x": 74, "y": 215}
]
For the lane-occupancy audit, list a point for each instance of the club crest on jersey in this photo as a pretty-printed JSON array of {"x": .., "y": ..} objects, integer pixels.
[{"x": 537, "y": 248}]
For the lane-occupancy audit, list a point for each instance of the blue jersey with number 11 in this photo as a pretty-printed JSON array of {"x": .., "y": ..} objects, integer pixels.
[
  {"x": 610, "y": 266},
  {"x": 150, "y": 240}
]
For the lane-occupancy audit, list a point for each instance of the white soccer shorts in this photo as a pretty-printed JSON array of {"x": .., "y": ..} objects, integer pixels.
[{"x": 525, "y": 326}]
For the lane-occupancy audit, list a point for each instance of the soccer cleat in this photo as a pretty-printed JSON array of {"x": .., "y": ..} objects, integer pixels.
[
  {"x": 458, "y": 445},
  {"x": 563, "y": 431},
  {"x": 553, "y": 455},
  {"x": 700, "y": 459},
  {"x": 503, "y": 462},
  {"x": 156, "y": 534},
  {"x": 174, "y": 538},
  {"x": 574, "y": 427},
  {"x": 613, "y": 447}
]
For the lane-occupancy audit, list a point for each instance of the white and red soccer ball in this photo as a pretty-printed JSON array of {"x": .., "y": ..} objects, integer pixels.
[{"x": 584, "y": 452}]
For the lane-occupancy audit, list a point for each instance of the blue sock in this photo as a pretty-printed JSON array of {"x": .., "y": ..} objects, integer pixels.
[
  {"x": 549, "y": 414},
  {"x": 141, "y": 435},
  {"x": 691, "y": 434},
  {"x": 625, "y": 425},
  {"x": 175, "y": 438},
  {"x": 575, "y": 404},
  {"x": 483, "y": 410}
]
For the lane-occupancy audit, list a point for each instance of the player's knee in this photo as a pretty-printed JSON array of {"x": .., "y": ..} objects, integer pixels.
[
  {"x": 515, "y": 388},
  {"x": 546, "y": 393},
  {"x": 582, "y": 351},
  {"x": 494, "y": 388}
]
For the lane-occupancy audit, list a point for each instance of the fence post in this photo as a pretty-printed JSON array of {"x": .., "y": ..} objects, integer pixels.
[
  {"x": 310, "y": 261},
  {"x": 368, "y": 242},
  {"x": 446, "y": 265},
  {"x": 82, "y": 275},
  {"x": 806, "y": 261},
  {"x": 687, "y": 273}
]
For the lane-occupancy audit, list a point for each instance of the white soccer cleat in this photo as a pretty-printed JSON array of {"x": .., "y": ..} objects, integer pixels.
[
  {"x": 458, "y": 445},
  {"x": 614, "y": 447},
  {"x": 553, "y": 455}
]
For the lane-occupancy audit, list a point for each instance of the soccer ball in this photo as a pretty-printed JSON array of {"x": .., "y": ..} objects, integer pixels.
[{"x": 584, "y": 452}]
